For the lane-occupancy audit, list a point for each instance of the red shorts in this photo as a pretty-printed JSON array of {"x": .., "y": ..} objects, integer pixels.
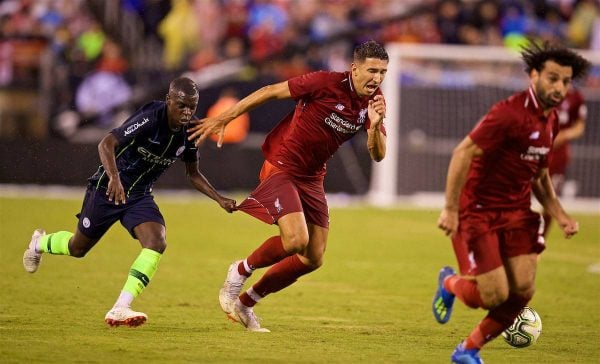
[
  {"x": 279, "y": 194},
  {"x": 486, "y": 238}
]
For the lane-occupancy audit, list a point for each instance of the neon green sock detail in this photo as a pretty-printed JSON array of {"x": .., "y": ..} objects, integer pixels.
[
  {"x": 141, "y": 272},
  {"x": 56, "y": 243}
]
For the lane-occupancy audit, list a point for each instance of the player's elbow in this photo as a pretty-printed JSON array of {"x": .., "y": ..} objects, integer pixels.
[
  {"x": 378, "y": 157},
  {"x": 377, "y": 154}
]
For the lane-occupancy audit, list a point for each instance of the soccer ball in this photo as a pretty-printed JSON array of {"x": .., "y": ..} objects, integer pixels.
[{"x": 525, "y": 330}]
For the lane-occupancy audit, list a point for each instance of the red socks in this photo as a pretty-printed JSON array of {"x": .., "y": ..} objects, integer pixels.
[
  {"x": 484, "y": 332},
  {"x": 277, "y": 278},
  {"x": 269, "y": 253},
  {"x": 466, "y": 290},
  {"x": 497, "y": 320}
]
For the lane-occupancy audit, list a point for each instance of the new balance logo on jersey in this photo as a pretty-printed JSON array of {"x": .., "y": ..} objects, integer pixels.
[
  {"x": 339, "y": 107},
  {"x": 133, "y": 127},
  {"x": 535, "y": 135}
]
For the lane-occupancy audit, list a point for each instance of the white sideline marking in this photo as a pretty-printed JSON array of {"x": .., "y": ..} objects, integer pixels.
[
  {"x": 422, "y": 200},
  {"x": 594, "y": 268}
]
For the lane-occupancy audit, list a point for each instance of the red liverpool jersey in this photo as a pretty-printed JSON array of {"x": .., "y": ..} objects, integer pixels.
[
  {"x": 571, "y": 109},
  {"x": 516, "y": 138},
  {"x": 328, "y": 112}
]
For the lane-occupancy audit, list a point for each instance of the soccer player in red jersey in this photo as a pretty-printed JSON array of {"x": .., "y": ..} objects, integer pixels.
[
  {"x": 331, "y": 108},
  {"x": 488, "y": 190},
  {"x": 572, "y": 113}
]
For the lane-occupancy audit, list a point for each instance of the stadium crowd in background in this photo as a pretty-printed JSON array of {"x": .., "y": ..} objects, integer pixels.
[{"x": 284, "y": 38}]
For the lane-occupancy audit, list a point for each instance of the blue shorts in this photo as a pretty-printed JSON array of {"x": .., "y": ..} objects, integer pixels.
[{"x": 98, "y": 214}]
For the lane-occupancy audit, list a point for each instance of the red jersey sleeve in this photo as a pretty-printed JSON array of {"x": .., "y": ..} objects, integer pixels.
[
  {"x": 309, "y": 82},
  {"x": 490, "y": 132},
  {"x": 579, "y": 106}
]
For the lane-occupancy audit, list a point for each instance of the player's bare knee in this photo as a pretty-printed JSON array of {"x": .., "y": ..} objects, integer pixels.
[
  {"x": 494, "y": 298},
  {"x": 295, "y": 243},
  {"x": 158, "y": 245},
  {"x": 315, "y": 264},
  {"x": 78, "y": 252},
  {"x": 525, "y": 291},
  {"x": 312, "y": 262}
]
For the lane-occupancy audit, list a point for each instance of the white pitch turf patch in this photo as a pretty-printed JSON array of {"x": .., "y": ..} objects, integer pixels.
[{"x": 594, "y": 268}]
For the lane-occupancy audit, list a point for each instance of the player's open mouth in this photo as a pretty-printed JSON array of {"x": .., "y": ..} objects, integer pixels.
[{"x": 371, "y": 87}]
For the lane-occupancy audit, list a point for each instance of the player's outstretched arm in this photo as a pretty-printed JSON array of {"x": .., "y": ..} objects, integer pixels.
[
  {"x": 106, "y": 150},
  {"x": 462, "y": 156},
  {"x": 569, "y": 134},
  {"x": 201, "y": 184},
  {"x": 216, "y": 125},
  {"x": 543, "y": 190}
]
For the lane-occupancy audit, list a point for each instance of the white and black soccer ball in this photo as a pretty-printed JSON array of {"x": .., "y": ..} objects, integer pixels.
[{"x": 525, "y": 330}]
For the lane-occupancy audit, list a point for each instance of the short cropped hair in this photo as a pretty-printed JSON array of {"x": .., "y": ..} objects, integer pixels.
[
  {"x": 185, "y": 85},
  {"x": 535, "y": 56},
  {"x": 370, "y": 49}
]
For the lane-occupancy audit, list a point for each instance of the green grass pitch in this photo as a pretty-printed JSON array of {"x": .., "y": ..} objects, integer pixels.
[{"x": 369, "y": 303}]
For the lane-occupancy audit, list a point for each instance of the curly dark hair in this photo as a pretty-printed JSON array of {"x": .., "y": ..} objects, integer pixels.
[
  {"x": 535, "y": 56},
  {"x": 370, "y": 49}
]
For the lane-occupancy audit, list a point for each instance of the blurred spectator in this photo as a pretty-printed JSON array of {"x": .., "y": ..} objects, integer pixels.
[
  {"x": 514, "y": 20},
  {"x": 582, "y": 22},
  {"x": 112, "y": 59},
  {"x": 449, "y": 20},
  {"x": 551, "y": 26},
  {"x": 266, "y": 23},
  {"x": 237, "y": 130},
  {"x": 99, "y": 94},
  {"x": 486, "y": 19},
  {"x": 152, "y": 12},
  {"x": 91, "y": 41},
  {"x": 180, "y": 32}
]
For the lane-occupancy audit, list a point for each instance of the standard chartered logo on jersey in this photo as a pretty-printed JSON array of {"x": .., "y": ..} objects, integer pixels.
[
  {"x": 534, "y": 153},
  {"x": 340, "y": 124}
]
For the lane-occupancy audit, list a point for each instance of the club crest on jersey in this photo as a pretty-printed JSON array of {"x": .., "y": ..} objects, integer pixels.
[
  {"x": 339, "y": 107},
  {"x": 362, "y": 114},
  {"x": 278, "y": 206},
  {"x": 133, "y": 127},
  {"x": 535, "y": 135}
]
